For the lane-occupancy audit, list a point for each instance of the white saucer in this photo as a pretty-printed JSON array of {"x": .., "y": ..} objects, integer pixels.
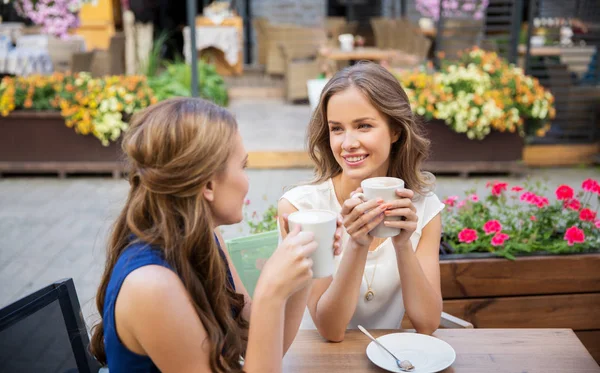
[{"x": 427, "y": 354}]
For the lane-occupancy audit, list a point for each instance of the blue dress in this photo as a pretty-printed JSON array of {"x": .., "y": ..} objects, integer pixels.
[{"x": 137, "y": 255}]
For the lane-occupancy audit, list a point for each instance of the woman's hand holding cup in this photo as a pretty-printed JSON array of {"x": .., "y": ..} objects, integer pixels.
[
  {"x": 404, "y": 208},
  {"x": 360, "y": 217},
  {"x": 289, "y": 269}
]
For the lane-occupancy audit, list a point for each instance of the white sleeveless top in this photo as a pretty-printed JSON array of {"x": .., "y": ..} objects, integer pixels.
[{"x": 386, "y": 309}]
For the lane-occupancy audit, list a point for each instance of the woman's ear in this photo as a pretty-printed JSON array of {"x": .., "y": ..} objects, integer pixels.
[
  {"x": 395, "y": 135},
  {"x": 209, "y": 192}
]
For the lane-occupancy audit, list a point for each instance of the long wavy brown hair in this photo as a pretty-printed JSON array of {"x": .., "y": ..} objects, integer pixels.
[
  {"x": 174, "y": 148},
  {"x": 385, "y": 93}
]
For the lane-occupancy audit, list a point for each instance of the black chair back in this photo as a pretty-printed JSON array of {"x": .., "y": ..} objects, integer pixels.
[{"x": 45, "y": 332}]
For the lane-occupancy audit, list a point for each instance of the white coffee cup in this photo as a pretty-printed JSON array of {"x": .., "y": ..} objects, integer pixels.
[
  {"x": 384, "y": 188},
  {"x": 346, "y": 42},
  {"x": 322, "y": 223}
]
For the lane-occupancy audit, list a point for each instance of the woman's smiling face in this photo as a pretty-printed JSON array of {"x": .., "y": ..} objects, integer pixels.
[{"x": 359, "y": 135}]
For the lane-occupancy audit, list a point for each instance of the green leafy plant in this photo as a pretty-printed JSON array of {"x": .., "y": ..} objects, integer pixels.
[
  {"x": 259, "y": 223},
  {"x": 176, "y": 80}
]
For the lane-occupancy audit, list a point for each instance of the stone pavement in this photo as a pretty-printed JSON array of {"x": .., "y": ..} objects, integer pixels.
[
  {"x": 271, "y": 124},
  {"x": 52, "y": 229}
]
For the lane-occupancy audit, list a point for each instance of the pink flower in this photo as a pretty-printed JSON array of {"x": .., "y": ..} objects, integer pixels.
[
  {"x": 564, "y": 192},
  {"x": 497, "y": 188},
  {"x": 461, "y": 203},
  {"x": 467, "y": 235},
  {"x": 597, "y": 223},
  {"x": 450, "y": 201},
  {"x": 516, "y": 189},
  {"x": 540, "y": 201},
  {"x": 574, "y": 235},
  {"x": 247, "y": 202},
  {"x": 573, "y": 204},
  {"x": 474, "y": 197},
  {"x": 499, "y": 238},
  {"x": 587, "y": 215},
  {"x": 590, "y": 185},
  {"x": 527, "y": 197},
  {"x": 532, "y": 218},
  {"x": 492, "y": 226}
]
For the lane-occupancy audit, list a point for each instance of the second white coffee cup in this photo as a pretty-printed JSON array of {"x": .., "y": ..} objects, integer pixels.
[
  {"x": 384, "y": 188},
  {"x": 322, "y": 223}
]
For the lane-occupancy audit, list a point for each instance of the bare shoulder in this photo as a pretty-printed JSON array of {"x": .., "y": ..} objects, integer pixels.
[{"x": 151, "y": 286}]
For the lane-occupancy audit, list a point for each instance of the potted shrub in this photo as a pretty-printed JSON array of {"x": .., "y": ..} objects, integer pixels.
[
  {"x": 44, "y": 116},
  {"x": 476, "y": 108}
]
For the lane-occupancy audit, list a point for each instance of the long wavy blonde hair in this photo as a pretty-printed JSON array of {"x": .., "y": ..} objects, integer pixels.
[
  {"x": 174, "y": 149},
  {"x": 384, "y": 92}
]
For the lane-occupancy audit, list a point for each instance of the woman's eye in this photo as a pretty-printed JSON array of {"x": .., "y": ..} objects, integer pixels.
[
  {"x": 364, "y": 125},
  {"x": 336, "y": 128}
]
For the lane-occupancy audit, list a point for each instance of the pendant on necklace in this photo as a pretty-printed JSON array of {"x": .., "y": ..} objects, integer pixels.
[{"x": 369, "y": 295}]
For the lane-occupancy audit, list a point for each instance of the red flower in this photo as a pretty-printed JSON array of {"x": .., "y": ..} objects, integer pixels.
[
  {"x": 564, "y": 192},
  {"x": 450, "y": 201},
  {"x": 573, "y": 204},
  {"x": 540, "y": 201},
  {"x": 467, "y": 235},
  {"x": 516, "y": 189},
  {"x": 590, "y": 185},
  {"x": 497, "y": 188},
  {"x": 499, "y": 238},
  {"x": 492, "y": 226},
  {"x": 532, "y": 218},
  {"x": 587, "y": 215},
  {"x": 574, "y": 235}
]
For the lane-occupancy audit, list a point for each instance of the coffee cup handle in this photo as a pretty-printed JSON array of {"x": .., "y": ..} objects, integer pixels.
[{"x": 360, "y": 196}]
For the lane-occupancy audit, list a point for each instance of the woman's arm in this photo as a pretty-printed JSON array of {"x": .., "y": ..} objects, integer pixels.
[
  {"x": 420, "y": 278},
  {"x": 155, "y": 317},
  {"x": 419, "y": 270}
]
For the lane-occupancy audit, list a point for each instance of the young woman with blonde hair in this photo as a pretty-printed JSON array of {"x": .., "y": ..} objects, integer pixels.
[
  {"x": 170, "y": 299},
  {"x": 363, "y": 128}
]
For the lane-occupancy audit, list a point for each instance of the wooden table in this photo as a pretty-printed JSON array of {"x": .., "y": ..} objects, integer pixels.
[
  {"x": 367, "y": 53},
  {"x": 477, "y": 351}
]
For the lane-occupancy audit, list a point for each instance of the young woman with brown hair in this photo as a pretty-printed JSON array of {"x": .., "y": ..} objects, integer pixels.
[
  {"x": 170, "y": 299},
  {"x": 364, "y": 128}
]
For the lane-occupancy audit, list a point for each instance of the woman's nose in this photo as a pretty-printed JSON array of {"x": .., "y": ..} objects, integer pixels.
[{"x": 350, "y": 142}]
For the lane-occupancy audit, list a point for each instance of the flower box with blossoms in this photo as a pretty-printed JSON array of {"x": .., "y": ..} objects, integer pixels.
[
  {"x": 43, "y": 119},
  {"x": 521, "y": 257}
]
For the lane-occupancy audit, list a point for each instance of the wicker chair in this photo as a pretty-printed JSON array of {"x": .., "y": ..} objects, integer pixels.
[
  {"x": 278, "y": 35},
  {"x": 302, "y": 61},
  {"x": 407, "y": 37},
  {"x": 382, "y": 30}
]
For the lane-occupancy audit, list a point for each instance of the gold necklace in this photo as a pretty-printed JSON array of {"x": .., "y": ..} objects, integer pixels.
[{"x": 370, "y": 294}]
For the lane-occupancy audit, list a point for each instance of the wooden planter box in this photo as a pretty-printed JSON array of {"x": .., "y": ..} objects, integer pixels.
[
  {"x": 40, "y": 142},
  {"x": 455, "y": 152},
  {"x": 553, "y": 291}
]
